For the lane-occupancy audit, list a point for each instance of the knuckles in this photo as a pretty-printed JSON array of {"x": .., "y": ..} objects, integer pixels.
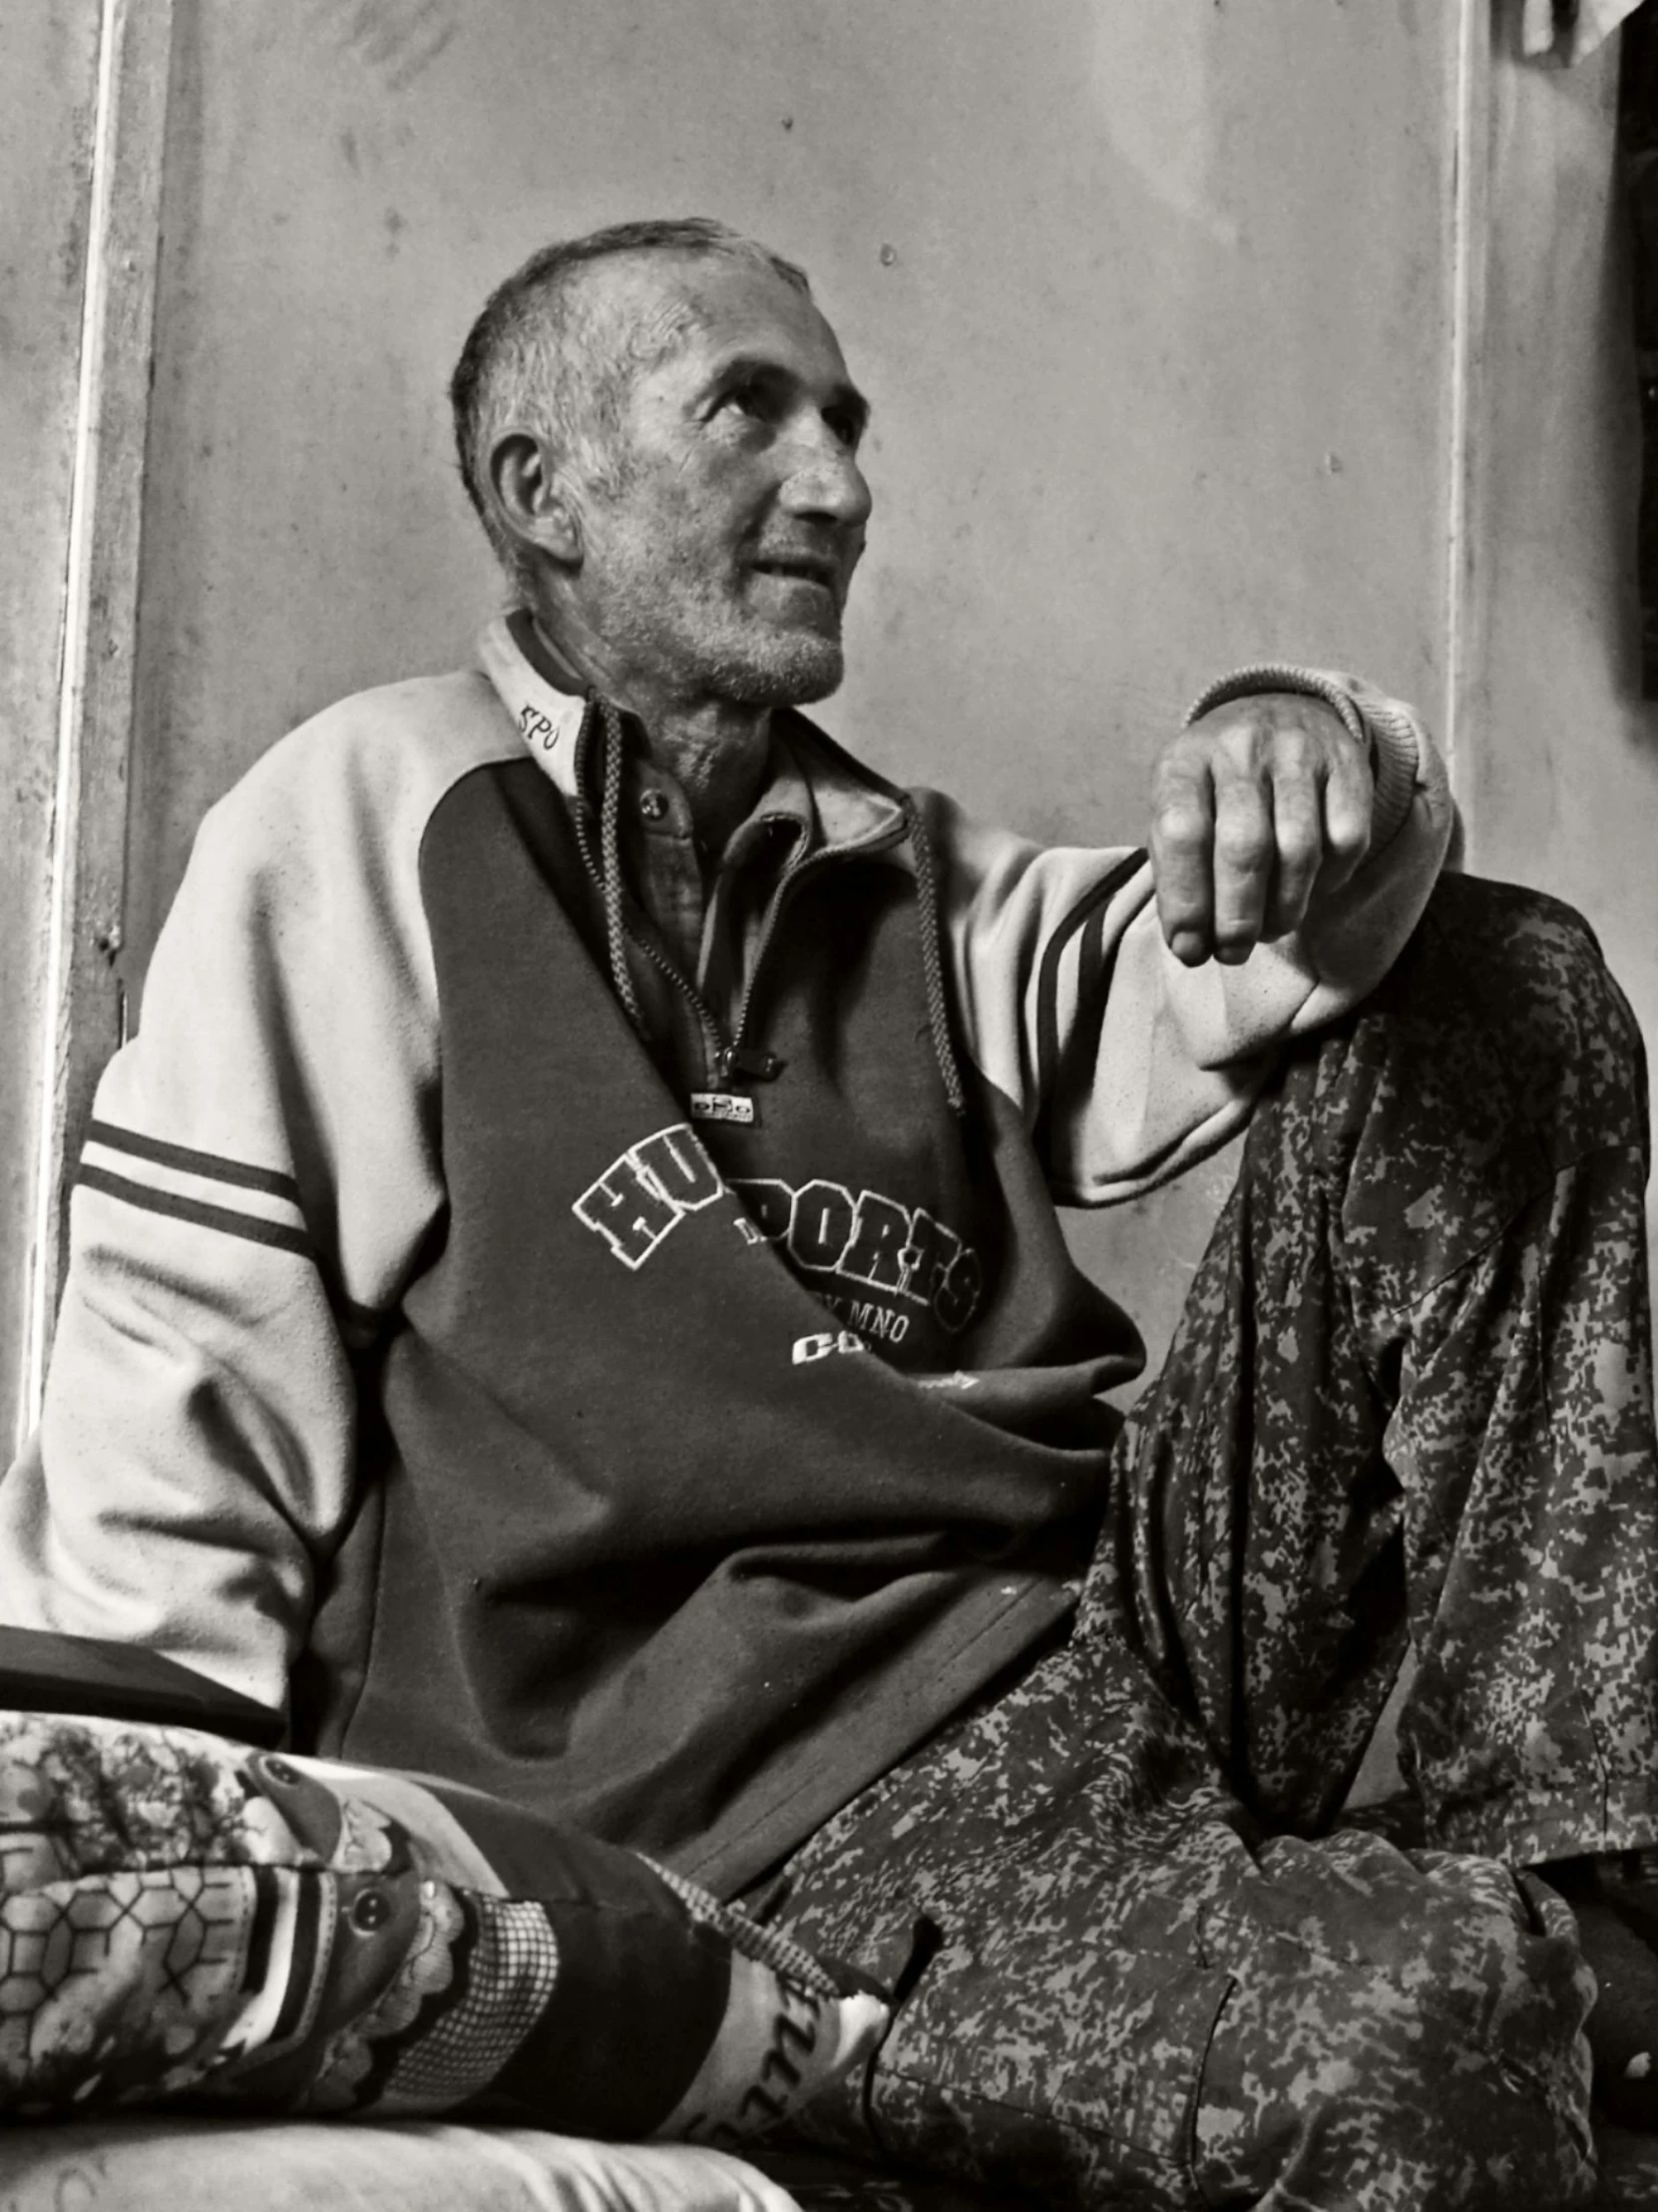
[
  {"x": 1251, "y": 805},
  {"x": 1245, "y": 847},
  {"x": 1348, "y": 840},
  {"x": 1300, "y": 847},
  {"x": 1180, "y": 828}
]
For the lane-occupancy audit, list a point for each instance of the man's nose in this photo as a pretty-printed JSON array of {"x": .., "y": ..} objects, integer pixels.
[{"x": 824, "y": 479}]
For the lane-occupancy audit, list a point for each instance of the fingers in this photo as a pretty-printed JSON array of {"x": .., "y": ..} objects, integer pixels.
[
  {"x": 1299, "y": 836},
  {"x": 1183, "y": 853},
  {"x": 1255, "y": 808},
  {"x": 1348, "y": 802},
  {"x": 1245, "y": 858},
  {"x": 1213, "y": 848}
]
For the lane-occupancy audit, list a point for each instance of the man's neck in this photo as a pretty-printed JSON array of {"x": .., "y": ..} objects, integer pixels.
[
  {"x": 718, "y": 755},
  {"x": 715, "y": 749}
]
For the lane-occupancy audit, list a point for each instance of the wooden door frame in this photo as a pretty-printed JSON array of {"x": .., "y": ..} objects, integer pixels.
[
  {"x": 1466, "y": 605},
  {"x": 82, "y": 1004}
]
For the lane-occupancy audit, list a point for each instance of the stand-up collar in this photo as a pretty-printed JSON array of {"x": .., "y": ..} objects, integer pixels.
[{"x": 851, "y": 806}]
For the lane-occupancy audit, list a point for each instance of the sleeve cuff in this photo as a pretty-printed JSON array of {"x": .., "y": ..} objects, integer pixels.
[{"x": 1385, "y": 726}]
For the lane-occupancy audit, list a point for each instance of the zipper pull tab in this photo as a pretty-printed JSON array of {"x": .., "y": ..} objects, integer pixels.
[{"x": 738, "y": 1063}]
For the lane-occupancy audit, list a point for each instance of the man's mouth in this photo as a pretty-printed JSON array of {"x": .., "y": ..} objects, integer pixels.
[{"x": 801, "y": 567}]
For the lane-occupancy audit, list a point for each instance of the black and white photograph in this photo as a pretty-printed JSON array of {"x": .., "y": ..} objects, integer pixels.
[{"x": 828, "y": 926}]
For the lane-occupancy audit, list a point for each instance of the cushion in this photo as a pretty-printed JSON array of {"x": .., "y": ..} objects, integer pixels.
[
  {"x": 183, "y": 1917},
  {"x": 163, "y": 2165}
]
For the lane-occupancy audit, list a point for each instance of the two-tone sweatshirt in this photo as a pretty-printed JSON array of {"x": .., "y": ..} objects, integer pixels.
[{"x": 523, "y": 1371}]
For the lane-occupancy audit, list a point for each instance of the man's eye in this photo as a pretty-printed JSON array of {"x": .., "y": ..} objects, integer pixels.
[{"x": 744, "y": 398}]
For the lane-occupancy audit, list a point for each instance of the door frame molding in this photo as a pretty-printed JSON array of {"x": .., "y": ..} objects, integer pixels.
[{"x": 83, "y": 1005}]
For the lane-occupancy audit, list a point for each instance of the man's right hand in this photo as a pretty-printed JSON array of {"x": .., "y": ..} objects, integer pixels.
[{"x": 1257, "y": 807}]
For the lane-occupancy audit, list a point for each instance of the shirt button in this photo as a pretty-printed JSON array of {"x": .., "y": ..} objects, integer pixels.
[{"x": 652, "y": 806}]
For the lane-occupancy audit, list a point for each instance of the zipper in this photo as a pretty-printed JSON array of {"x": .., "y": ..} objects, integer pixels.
[
  {"x": 727, "y": 1061},
  {"x": 800, "y": 865}
]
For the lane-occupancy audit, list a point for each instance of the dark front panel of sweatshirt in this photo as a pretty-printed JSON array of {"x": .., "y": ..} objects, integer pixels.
[{"x": 667, "y": 1548}]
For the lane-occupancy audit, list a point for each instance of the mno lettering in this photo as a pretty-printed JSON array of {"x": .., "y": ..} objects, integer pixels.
[{"x": 870, "y": 1318}]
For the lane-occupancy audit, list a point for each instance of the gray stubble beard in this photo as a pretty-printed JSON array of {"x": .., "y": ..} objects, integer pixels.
[{"x": 799, "y": 672}]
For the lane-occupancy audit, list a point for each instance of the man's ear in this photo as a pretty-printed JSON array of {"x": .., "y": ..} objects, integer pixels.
[{"x": 533, "y": 500}]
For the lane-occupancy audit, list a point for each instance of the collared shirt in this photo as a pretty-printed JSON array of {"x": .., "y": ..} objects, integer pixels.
[{"x": 708, "y": 911}]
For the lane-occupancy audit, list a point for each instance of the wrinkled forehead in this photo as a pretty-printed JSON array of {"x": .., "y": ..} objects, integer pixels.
[{"x": 658, "y": 308}]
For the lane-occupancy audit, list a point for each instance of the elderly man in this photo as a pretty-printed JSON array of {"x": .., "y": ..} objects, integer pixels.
[{"x": 566, "y": 1295}]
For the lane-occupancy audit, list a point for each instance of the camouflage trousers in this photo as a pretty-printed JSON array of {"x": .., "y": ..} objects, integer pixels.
[{"x": 1408, "y": 1403}]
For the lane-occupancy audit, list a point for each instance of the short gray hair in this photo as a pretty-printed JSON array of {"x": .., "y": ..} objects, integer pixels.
[{"x": 539, "y": 359}]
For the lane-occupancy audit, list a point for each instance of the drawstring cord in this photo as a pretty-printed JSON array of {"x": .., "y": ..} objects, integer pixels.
[
  {"x": 931, "y": 959},
  {"x": 610, "y": 848},
  {"x": 600, "y": 715}
]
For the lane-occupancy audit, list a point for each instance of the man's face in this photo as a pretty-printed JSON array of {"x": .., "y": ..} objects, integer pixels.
[{"x": 718, "y": 566}]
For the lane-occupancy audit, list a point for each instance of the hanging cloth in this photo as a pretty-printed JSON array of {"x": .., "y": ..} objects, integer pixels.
[
  {"x": 1569, "y": 29},
  {"x": 1638, "y": 146}
]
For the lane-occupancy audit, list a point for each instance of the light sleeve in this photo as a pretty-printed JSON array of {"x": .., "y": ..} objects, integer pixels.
[
  {"x": 259, "y": 1173},
  {"x": 1127, "y": 1066}
]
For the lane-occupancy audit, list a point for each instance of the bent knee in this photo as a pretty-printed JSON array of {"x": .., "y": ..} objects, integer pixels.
[
  {"x": 1530, "y": 970},
  {"x": 1440, "y": 2063}
]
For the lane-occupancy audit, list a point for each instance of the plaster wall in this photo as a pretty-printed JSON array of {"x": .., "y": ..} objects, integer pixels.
[
  {"x": 1560, "y": 762},
  {"x": 1152, "y": 303}
]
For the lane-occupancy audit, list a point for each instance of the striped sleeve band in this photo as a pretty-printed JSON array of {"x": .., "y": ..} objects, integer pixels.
[{"x": 208, "y": 1190}]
